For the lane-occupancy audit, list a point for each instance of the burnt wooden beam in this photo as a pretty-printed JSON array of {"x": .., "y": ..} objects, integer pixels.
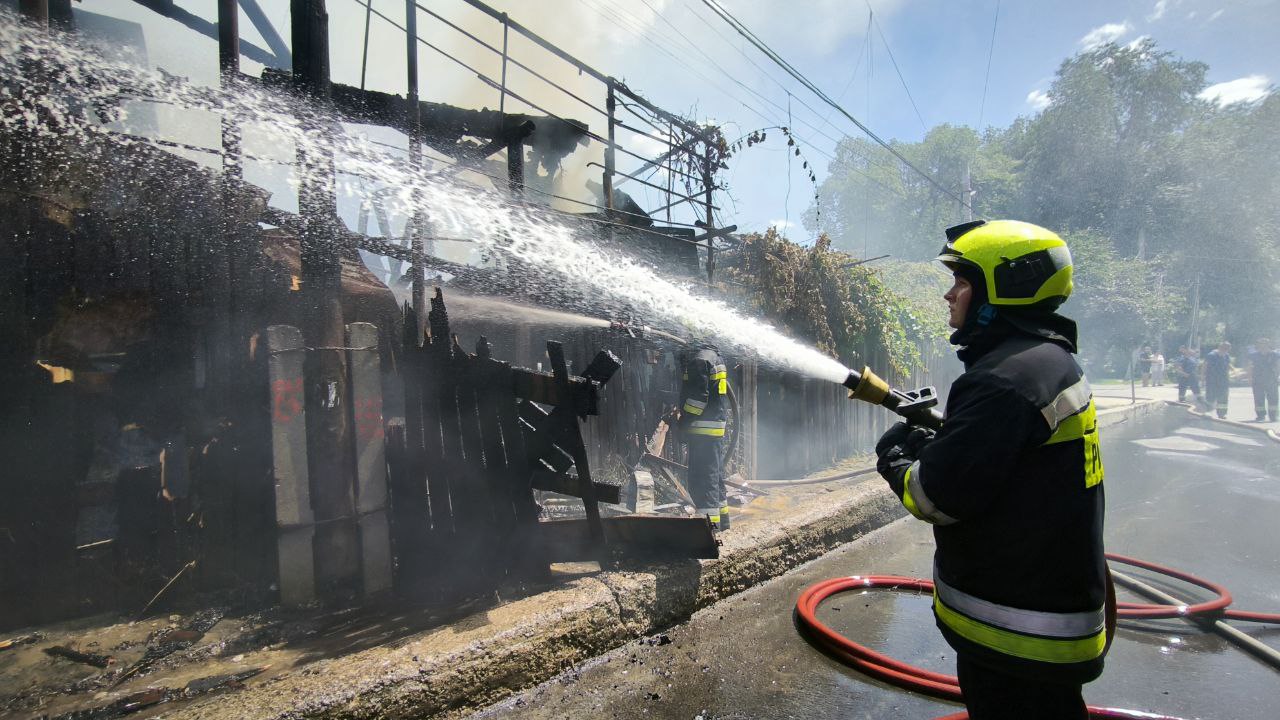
[
  {"x": 442, "y": 126},
  {"x": 168, "y": 9},
  {"x": 568, "y": 484}
]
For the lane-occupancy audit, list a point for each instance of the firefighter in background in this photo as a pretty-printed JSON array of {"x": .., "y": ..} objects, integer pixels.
[
  {"x": 704, "y": 411},
  {"x": 1264, "y": 376},
  {"x": 1217, "y": 378},
  {"x": 1012, "y": 482}
]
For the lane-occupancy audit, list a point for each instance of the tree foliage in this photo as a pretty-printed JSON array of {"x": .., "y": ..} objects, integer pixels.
[
  {"x": 1161, "y": 190},
  {"x": 819, "y": 297}
]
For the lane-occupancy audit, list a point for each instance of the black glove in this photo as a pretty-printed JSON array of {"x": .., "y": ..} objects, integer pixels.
[
  {"x": 898, "y": 448},
  {"x": 894, "y": 436}
]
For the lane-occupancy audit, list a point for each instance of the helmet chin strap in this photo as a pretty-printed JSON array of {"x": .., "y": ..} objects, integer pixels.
[{"x": 986, "y": 314}]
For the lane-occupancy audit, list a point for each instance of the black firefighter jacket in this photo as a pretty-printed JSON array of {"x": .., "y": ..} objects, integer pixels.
[{"x": 1013, "y": 486}]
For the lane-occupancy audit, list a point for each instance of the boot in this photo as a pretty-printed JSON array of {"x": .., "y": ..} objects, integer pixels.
[{"x": 724, "y": 518}]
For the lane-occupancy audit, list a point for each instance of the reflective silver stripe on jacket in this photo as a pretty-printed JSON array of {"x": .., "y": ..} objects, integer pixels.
[
  {"x": 709, "y": 424},
  {"x": 1069, "y": 402},
  {"x": 1030, "y": 622},
  {"x": 923, "y": 505}
]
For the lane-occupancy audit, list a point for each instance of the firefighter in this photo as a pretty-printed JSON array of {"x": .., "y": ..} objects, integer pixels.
[
  {"x": 1217, "y": 378},
  {"x": 1264, "y": 369},
  {"x": 1012, "y": 482},
  {"x": 703, "y": 417}
]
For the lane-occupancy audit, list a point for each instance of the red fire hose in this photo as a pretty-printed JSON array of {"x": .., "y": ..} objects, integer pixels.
[{"x": 945, "y": 687}]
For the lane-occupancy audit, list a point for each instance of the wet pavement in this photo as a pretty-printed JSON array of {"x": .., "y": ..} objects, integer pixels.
[{"x": 1198, "y": 496}]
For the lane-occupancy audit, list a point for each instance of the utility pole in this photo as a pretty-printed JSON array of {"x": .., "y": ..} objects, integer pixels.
[
  {"x": 329, "y": 441},
  {"x": 1195, "y": 314},
  {"x": 610, "y": 106},
  {"x": 417, "y": 221},
  {"x": 966, "y": 204},
  {"x": 708, "y": 178}
]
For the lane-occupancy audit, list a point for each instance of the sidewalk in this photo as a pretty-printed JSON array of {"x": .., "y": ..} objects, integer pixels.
[
  {"x": 370, "y": 664},
  {"x": 1239, "y": 401}
]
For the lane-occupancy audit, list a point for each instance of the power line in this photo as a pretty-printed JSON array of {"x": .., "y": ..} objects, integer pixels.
[
  {"x": 894, "y": 60},
  {"x": 777, "y": 59},
  {"x": 987, "y": 79},
  {"x": 618, "y": 20}
]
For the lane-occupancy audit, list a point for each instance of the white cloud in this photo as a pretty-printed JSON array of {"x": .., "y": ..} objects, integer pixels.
[
  {"x": 1104, "y": 34},
  {"x": 1247, "y": 89},
  {"x": 1158, "y": 11},
  {"x": 782, "y": 225},
  {"x": 1216, "y": 14},
  {"x": 1038, "y": 100},
  {"x": 1136, "y": 43}
]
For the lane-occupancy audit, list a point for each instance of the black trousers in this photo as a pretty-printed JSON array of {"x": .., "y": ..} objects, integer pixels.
[
  {"x": 706, "y": 471},
  {"x": 990, "y": 694},
  {"x": 1216, "y": 393},
  {"x": 1188, "y": 383},
  {"x": 1264, "y": 400}
]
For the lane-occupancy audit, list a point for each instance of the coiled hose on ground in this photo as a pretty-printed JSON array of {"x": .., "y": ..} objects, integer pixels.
[{"x": 945, "y": 687}]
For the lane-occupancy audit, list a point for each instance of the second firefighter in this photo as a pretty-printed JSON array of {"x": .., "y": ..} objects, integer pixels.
[{"x": 703, "y": 417}]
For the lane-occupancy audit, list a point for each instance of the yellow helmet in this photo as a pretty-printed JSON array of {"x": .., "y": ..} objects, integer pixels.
[{"x": 1021, "y": 264}]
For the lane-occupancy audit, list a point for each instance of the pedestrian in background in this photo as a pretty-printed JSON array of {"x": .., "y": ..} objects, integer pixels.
[
  {"x": 1157, "y": 370},
  {"x": 1187, "y": 370},
  {"x": 1217, "y": 376},
  {"x": 1145, "y": 358},
  {"x": 1264, "y": 376}
]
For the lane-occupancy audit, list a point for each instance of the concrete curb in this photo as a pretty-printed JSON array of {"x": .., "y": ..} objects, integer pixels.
[
  {"x": 484, "y": 658},
  {"x": 1191, "y": 410}
]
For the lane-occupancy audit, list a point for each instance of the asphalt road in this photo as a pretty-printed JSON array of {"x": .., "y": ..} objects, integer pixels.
[{"x": 1200, "y": 497}]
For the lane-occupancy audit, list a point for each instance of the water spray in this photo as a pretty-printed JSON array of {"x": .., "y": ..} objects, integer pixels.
[{"x": 917, "y": 406}]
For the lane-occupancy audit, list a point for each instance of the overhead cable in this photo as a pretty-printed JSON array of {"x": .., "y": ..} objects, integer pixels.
[{"x": 777, "y": 59}]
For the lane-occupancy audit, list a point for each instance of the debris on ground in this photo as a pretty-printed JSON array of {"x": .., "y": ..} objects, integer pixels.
[
  {"x": 21, "y": 640},
  {"x": 94, "y": 659}
]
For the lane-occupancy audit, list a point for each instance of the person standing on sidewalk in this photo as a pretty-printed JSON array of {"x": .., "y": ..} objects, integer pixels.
[
  {"x": 1012, "y": 483},
  {"x": 1145, "y": 358},
  {"x": 1217, "y": 378},
  {"x": 1264, "y": 376}
]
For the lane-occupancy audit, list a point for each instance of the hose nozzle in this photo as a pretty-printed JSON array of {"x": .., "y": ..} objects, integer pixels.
[
  {"x": 867, "y": 386},
  {"x": 916, "y": 406}
]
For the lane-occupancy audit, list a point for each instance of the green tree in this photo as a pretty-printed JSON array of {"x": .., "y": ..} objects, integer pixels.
[
  {"x": 1101, "y": 154},
  {"x": 873, "y": 204}
]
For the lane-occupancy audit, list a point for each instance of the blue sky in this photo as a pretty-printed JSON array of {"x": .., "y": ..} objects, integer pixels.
[{"x": 940, "y": 47}]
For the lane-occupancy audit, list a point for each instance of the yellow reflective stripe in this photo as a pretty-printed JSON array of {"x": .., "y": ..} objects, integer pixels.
[
  {"x": 1018, "y": 645},
  {"x": 917, "y": 502},
  {"x": 1076, "y": 426},
  {"x": 694, "y": 407},
  {"x": 723, "y": 388},
  {"x": 1068, "y": 403},
  {"x": 1083, "y": 426},
  {"x": 907, "y": 500},
  {"x": 710, "y": 428},
  {"x": 720, "y": 375}
]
